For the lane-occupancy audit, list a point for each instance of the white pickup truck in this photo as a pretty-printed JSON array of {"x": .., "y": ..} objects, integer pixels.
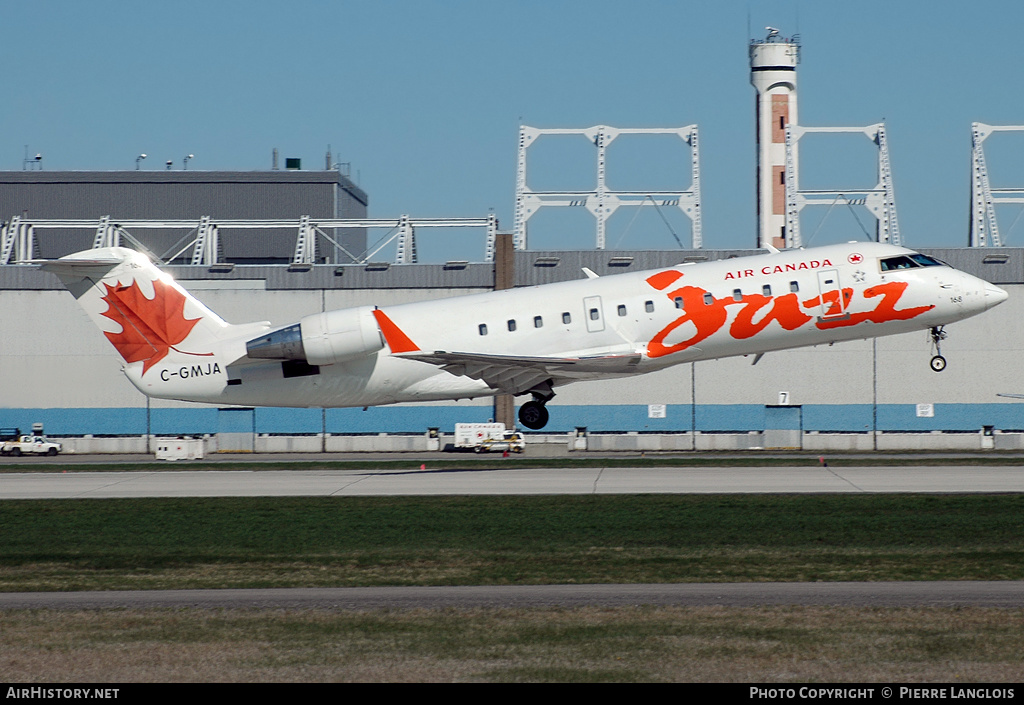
[{"x": 39, "y": 445}]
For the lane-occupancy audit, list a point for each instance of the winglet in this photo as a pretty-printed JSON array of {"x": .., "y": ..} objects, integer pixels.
[{"x": 398, "y": 341}]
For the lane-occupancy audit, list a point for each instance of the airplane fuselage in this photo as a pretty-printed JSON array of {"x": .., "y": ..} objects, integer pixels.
[{"x": 609, "y": 326}]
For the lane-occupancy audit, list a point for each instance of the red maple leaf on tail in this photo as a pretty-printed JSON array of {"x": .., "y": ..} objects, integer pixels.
[{"x": 149, "y": 327}]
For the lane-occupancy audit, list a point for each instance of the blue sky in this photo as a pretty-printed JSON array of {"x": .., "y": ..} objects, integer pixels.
[{"x": 424, "y": 100}]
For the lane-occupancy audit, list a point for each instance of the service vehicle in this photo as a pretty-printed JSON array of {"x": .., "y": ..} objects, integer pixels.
[
  {"x": 38, "y": 445},
  {"x": 471, "y": 435},
  {"x": 511, "y": 441}
]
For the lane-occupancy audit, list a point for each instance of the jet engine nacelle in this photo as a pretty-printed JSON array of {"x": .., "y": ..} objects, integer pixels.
[
  {"x": 337, "y": 336},
  {"x": 322, "y": 338}
]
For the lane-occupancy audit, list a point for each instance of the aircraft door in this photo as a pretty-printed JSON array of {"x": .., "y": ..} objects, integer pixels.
[
  {"x": 593, "y": 313},
  {"x": 833, "y": 305}
]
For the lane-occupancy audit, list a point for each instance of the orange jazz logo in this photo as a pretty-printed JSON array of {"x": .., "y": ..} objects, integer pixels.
[{"x": 704, "y": 315}]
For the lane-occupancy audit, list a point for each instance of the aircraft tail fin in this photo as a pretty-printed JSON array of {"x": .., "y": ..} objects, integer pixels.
[{"x": 141, "y": 310}]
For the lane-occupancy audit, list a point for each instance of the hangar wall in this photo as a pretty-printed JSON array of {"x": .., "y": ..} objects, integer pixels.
[{"x": 57, "y": 368}]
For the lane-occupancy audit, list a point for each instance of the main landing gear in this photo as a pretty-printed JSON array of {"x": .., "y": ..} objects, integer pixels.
[
  {"x": 533, "y": 414},
  {"x": 938, "y": 334}
]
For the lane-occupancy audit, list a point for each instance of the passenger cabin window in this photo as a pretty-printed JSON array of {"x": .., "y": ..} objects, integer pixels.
[
  {"x": 566, "y": 318},
  {"x": 737, "y": 295},
  {"x": 649, "y": 306},
  {"x": 511, "y": 325},
  {"x": 678, "y": 301},
  {"x": 538, "y": 322},
  {"x": 622, "y": 309},
  {"x": 794, "y": 287},
  {"x": 709, "y": 299},
  {"x": 482, "y": 328},
  {"x": 766, "y": 290},
  {"x": 594, "y": 315}
]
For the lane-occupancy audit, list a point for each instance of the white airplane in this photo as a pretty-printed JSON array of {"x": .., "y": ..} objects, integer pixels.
[{"x": 520, "y": 341}]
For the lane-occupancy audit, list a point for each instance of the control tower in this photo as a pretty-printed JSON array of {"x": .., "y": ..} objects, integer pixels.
[{"x": 773, "y": 63}]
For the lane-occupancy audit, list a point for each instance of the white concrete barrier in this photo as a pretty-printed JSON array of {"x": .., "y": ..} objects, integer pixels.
[{"x": 554, "y": 444}]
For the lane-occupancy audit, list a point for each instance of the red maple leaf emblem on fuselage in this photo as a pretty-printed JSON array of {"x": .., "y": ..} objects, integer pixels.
[{"x": 149, "y": 327}]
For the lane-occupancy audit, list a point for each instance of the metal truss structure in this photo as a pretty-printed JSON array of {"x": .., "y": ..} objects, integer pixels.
[
  {"x": 603, "y": 202},
  {"x": 984, "y": 230},
  {"x": 17, "y": 237},
  {"x": 880, "y": 200}
]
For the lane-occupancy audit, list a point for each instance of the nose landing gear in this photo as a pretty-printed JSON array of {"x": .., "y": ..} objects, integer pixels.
[{"x": 938, "y": 334}]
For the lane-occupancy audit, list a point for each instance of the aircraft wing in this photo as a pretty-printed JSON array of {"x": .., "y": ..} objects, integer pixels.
[{"x": 514, "y": 374}]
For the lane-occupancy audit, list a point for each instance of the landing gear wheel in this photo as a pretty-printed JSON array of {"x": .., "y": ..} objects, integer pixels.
[
  {"x": 938, "y": 334},
  {"x": 533, "y": 415}
]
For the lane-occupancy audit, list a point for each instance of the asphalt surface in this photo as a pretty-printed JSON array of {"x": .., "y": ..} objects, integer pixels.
[
  {"x": 1004, "y": 594},
  {"x": 426, "y": 479}
]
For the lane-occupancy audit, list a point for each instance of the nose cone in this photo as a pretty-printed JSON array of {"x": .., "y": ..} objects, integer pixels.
[
  {"x": 976, "y": 294},
  {"x": 994, "y": 295}
]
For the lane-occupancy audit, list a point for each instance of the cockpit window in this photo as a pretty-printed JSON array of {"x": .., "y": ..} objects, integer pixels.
[
  {"x": 926, "y": 261},
  {"x": 910, "y": 261},
  {"x": 902, "y": 262}
]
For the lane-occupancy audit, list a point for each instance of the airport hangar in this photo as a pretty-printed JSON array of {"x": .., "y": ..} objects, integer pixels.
[{"x": 57, "y": 369}]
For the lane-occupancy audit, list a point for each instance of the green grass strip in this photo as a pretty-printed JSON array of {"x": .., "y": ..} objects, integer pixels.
[{"x": 347, "y": 541}]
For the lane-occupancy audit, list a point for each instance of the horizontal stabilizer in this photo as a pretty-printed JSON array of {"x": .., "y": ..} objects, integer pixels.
[{"x": 84, "y": 267}]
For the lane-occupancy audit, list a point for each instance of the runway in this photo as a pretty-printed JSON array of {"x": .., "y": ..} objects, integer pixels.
[
  {"x": 512, "y": 480},
  {"x": 1002, "y": 594}
]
